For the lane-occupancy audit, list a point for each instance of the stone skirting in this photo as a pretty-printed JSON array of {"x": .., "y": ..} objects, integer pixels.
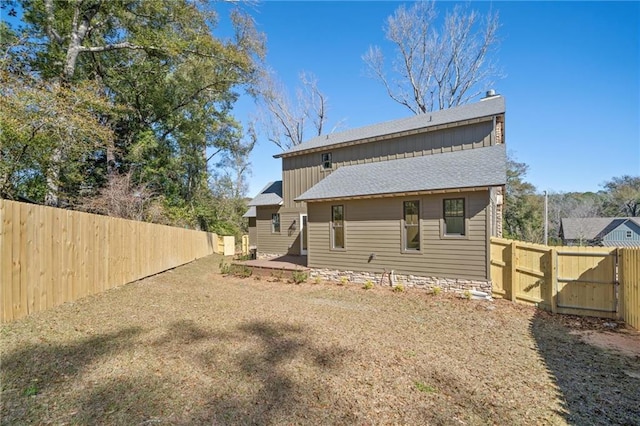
[
  {"x": 269, "y": 255},
  {"x": 456, "y": 285}
]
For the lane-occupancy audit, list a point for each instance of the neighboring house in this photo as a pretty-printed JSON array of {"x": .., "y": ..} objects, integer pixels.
[
  {"x": 420, "y": 196},
  {"x": 601, "y": 231}
]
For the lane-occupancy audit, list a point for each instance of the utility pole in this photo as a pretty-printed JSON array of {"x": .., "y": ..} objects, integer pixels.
[{"x": 546, "y": 219}]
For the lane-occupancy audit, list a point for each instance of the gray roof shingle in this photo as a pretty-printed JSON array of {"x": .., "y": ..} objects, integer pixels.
[
  {"x": 270, "y": 195},
  {"x": 459, "y": 169},
  {"x": 251, "y": 212},
  {"x": 484, "y": 108},
  {"x": 590, "y": 228}
]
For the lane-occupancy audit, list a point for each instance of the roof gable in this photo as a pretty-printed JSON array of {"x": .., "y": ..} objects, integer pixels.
[
  {"x": 583, "y": 228},
  {"x": 485, "y": 108},
  {"x": 270, "y": 195},
  {"x": 590, "y": 228}
]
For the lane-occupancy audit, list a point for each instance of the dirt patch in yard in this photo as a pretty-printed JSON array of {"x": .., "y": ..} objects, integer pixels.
[
  {"x": 627, "y": 344},
  {"x": 193, "y": 347}
]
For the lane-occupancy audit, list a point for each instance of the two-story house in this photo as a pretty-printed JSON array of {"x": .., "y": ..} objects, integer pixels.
[{"x": 420, "y": 196}]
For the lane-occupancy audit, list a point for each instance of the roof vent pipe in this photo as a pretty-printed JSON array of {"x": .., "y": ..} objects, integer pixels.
[{"x": 489, "y": 94}]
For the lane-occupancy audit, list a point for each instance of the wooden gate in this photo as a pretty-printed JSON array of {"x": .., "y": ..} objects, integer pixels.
[
  {"x": 586, "y": 282},
  {"x": 569, "y": 280}
]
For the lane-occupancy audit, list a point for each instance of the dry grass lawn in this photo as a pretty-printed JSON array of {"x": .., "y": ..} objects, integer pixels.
[{"x": 193, "y": 347}]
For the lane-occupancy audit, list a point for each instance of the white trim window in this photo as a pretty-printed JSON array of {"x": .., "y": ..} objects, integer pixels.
[
  {"x": 337, "y": 227},
  {"x": 275, "y": 223},
  {"x": 454, "y": 216},
  {"x": 411, "y": 225}
]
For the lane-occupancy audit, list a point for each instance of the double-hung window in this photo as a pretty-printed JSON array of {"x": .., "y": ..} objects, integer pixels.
[
  {"x": 275, "y": 223},
  {"x": 337, "y": 226},
  {"x": 454, "y": 219},
  {"x": 411, "y": 225}
]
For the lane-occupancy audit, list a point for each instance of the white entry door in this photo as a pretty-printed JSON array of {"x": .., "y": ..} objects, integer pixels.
[{"x": 303, "y": 234}]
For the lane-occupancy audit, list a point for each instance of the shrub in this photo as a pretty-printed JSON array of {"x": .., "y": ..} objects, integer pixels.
[
  {"x": 225, "y": 268},
  {"x": 317, "y": 280},
  {"x": 244, "y": 272},
  {"x": 436, "y": 290},
  {"x": 368, "y": 285},
  {"x": 299, "y": 276},
  {"x": 399, "y": 288},
  {"x": 467, "y": 294},
  {"x": 343, "y": 281}
]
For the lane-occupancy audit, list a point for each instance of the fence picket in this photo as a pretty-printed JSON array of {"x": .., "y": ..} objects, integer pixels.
[
  {"x": 50, "y": 256},
  {"x": 630, "y": 285},
  {"x": 573, "y": 280}
]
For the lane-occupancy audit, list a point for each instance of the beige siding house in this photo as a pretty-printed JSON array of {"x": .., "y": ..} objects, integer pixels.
[{"x": 420, "y": 196}]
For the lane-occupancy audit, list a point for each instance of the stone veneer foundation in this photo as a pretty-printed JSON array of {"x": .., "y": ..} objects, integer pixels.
[{"x": 456, "y": 285}]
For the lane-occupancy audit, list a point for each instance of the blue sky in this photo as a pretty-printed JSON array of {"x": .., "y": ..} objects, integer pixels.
[{"x": 572, "y": 81}]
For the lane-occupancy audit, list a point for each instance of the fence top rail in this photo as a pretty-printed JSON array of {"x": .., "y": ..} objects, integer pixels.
[
  {"x": 542, "y": 249},
  {"x": 112, "y": 219},
  {"x": 586, "y": 253},
  {"x": 560, "y": 249},
  {"x": 532, "y": 246}
]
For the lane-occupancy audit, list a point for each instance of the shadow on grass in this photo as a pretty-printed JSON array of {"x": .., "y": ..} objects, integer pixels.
[
  {"x": 43, "y": 364},
  {"x": 592, "y": 383},
  {"x": 261, "y": 385},
  {"x": 38, "y": 366},
  {"x": 275, "y": 392}
]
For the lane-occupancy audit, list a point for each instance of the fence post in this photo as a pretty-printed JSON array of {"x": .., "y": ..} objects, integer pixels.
[
  {"x": 513, "y": 271},
  {"x": 553, "y": 280},
  {"x": 621, "y": 280}
]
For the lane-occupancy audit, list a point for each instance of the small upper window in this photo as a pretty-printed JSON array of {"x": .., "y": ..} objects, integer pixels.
[
  {"x": 326, "y": 160},
  {"x": 628, "y": 234},
  {"x": 454, "y": 216},
  {"x": 275, "y": 223}
]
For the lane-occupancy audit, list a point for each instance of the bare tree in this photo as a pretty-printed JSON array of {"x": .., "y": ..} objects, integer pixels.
[
  {"x": 287, "y": 122},
  {"x": 120, "y": 197},
  {"x": 575, "y": 206},
  {"x": 436, "y": 69},
  {"x": 623, "y": 196}
]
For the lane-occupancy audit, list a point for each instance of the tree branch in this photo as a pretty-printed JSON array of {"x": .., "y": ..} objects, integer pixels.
[{"x": 50, "y": 19}]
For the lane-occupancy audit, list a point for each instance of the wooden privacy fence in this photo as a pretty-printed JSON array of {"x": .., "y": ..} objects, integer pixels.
[
  {"x": 587, "y": 281},
  {"x": 629, "y": 268},
  {"x": 245, "y": 245},
  {"x": 50, "y": 256}
]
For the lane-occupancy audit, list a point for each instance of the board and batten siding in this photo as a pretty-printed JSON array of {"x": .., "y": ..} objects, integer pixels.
[
  {"x": 620, "y": 234},
  {"x": 287, "y": 241},
  {"x": 374, "y": 226},
  {"x": 301, "y": 172}
]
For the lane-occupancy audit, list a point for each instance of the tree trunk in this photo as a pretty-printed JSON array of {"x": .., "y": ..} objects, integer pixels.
[{"x": 51, "y": 198}]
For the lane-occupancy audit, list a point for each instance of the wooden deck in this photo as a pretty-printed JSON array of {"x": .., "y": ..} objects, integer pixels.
[{"x": 282, "y": 263}]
